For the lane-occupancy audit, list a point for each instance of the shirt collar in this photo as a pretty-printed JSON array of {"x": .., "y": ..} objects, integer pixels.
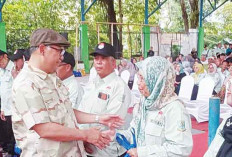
[
  {"x": 109, "y": 77},
  {"x": 43, "y": 75},
  {"x": 9, "y": 66},
  {"x": 68, "y": 79}
]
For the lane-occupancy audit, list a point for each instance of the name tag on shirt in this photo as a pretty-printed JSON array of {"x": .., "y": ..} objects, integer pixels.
[{"x": 103, "y": 96}]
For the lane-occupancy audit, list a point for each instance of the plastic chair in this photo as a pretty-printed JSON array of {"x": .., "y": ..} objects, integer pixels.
[
  {"x": 125, "y": 75},
  {"x": 199, "y": 108},
  {"x": 186, "y": 87}
]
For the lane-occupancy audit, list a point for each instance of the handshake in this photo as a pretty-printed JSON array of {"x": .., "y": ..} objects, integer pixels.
[{"x": 99, "y": 138}]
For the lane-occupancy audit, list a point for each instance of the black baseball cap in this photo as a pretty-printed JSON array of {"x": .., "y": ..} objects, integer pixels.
[
  {"x": 2, "y": 52},
  {"x": 19, "y": 53},
  {"x": 69, "y": 59},
  {"x": 104, "y": 49}
]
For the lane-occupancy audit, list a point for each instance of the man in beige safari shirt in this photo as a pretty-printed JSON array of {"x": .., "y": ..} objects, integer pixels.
[{"x": 44, "y": 122}]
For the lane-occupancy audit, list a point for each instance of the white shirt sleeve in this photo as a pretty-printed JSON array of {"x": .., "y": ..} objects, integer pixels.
[{"x": 75, "y": 94}]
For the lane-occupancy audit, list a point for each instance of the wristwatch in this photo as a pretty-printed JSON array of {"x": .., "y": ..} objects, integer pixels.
[{"x": 97, "y": 119}]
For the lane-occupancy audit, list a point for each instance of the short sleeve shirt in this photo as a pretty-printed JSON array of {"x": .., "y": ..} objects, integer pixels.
[
  {"x": 41, "y": 98},
  {"x": 75, "y": 90},
  {"x": 109, "y": 95},
  {"x": 5, "y": 89}
]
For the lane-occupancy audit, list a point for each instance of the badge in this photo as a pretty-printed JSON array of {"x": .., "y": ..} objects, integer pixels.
[
  {"x": 108, "y": 87},
  {"x": 181, "y": 126},
  {"x": 101, "y": 46},
  {"x": 103, "y": 96},
  {"x": 228, "y": 123}
]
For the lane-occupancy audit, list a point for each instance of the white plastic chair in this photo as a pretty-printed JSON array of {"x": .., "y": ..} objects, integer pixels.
[
  {"x": 135, "y": 84},
  {"x": 199, "y": 108},
  {"x": 116, "y": 71},
  {"x": 186, "y": 87},
  {"x": 125, "y": 75},
  {"x": 205, "y": 89}
]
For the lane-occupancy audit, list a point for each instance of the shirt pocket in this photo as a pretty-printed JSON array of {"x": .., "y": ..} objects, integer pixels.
[
  {"x": 8, "y": 82},
  {"x": 55, "y": 108},
  {"x": 47, "y": 148},
  {"x": 154, "y": 131},
  {"x": 101, "y": 106},
  {"x": 154, "y": 128},
  {"x": 63, "y": 93}
]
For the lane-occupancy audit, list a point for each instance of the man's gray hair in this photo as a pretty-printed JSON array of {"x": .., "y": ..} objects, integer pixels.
[{"x": 33, "y": 49}]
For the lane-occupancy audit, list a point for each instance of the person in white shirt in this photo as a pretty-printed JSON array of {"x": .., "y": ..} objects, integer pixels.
[
  {"x": 161, "y": 123},
  {"x": 108, "y": 94},
  {"x": 65, "y": 73},
  {"x": 6, "y": 102},
  {"x": 126, "y": 65},
  {"x": 218, "y": 49},
  {"x": 19, "y": 57},
  {"x": 223, "y": 70},
  {"x": 215, "y": 76}
]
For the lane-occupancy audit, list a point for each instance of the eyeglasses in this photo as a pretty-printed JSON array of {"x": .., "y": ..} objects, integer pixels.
[{"x": 61, "y": 51}]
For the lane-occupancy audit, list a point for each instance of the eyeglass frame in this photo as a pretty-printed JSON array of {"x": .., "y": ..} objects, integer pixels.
[{"x": 62, "y": 51}]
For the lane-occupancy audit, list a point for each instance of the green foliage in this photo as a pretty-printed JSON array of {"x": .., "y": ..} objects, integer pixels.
[
  {"x": 22, "y": 17},
  {"x": 216, "y": 32},
  {"x": 175, "y": 50}
]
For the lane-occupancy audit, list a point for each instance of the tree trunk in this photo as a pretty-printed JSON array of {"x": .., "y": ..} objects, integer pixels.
[
  {"x": 112, "y": 18},
  {"x": 194, "y": 15},
  {"x": 120, "y": 26},
  {"x": 184, "y": 16}
]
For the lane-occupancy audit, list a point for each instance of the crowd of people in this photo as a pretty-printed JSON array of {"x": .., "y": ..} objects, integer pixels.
[
  {"x": 46, "y": 112},
  {"x": 217, "y": 67}
]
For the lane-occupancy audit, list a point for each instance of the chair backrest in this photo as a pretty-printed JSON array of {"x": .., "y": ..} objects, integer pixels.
[
  {"x": 125, "y": 75},
  {"x": 116, "y": 71},
  {"x": 205, "y": 89},
  {"x": 135, "y": 85},
  {"x": 186, "y": 87},
  {"x": 186, "y": 73}
]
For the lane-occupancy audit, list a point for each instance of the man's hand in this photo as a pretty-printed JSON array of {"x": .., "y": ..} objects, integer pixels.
[
  {"x": 133, "y": 152},
  {"x": 112, "y": 121},
  {"x": 111, "y": 133},
  {"x": 2, "y": 115},
  {"x": 96, "y": 137}
]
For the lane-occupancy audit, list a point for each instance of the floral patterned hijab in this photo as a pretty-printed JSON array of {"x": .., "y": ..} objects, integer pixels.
[{"x": 159, "y": 76}]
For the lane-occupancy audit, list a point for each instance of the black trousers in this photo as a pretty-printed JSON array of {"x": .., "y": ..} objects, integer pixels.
[{"x": 7, "y": 140}]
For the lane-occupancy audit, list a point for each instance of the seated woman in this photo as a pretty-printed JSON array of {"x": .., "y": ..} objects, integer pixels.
[
  {"x": 161, "y": 123},
  {"x": 198, "y": 75},
  {"x": 212, "y": 73},
  {"x": 187, "y": 68},
  {"x": 226, "y": 82},
  {"x": 179, "y": 75}
]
